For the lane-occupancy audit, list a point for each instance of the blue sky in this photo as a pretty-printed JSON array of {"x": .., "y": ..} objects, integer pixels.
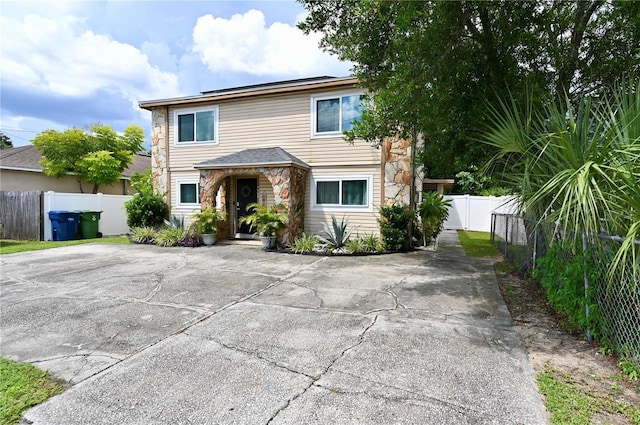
[{"x": 74, "y": 63}]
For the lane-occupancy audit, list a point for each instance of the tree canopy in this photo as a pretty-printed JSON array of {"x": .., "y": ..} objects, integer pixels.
[
  {"x": 5, "y": 141},
  {"x": 432, "y": 66},
  {"x": 98, "y": 156}
]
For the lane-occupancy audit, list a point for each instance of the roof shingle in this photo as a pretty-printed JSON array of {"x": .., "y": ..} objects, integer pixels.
[{"x": 258, "y": 157}]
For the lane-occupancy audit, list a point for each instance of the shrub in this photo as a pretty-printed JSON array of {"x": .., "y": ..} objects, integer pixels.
[
  {"x": 354, "y": 246},
  {"x": 303, "y": 244},
  {"x": 561, "y": 273},
  {"x": 146, "y": 210},
  {"x": 143, "y": 234},
  {"x": 191, "y": 240},
  {"x": 170, "y": 236},
  {"x": 337, "y": 237},
  {"x": 372, "y": 243},
  {"x": 433, "y": 211},
  {"x": 394, "y": 225}
]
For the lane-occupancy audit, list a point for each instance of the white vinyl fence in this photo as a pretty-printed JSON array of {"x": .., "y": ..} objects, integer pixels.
[
  {"x": 113, "y": 220},
  {"x": 474, "y": 212}
]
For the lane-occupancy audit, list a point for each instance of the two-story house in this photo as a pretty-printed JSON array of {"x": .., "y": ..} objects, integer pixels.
[{"x": 272, "y": 143}]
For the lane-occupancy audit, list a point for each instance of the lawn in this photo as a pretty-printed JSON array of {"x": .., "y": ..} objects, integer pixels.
[
  {"x": 12, "y": 246},
  {"x": 21, "y": 387},
  {"x": 477, "y": 244}
]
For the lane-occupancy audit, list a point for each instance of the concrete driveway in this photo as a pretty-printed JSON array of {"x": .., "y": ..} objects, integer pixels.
[{"x": 233, "y": 335}]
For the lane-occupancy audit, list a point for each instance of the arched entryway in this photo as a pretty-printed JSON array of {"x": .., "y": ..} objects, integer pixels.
[{"x": 234, "y": 176}]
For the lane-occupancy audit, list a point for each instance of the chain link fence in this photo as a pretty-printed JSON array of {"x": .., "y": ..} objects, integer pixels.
[{"x": 615, "y": 299}]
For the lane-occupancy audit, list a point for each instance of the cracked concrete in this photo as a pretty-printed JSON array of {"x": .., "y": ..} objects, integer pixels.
[{"x": 231, "y": 334}]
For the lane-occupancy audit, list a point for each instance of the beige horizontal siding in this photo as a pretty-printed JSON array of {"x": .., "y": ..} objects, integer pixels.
[
  {"x": 17, "y": 180},
  {"x": 366, "y": 221},
  {"x": 275, "y": 121}
]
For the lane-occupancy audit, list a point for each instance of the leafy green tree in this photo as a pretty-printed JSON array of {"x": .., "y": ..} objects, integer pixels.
[
  {"x": 431, "y": 66},
  {"x": 5, "y": 141},
  {"x": 98, "y": 156}
]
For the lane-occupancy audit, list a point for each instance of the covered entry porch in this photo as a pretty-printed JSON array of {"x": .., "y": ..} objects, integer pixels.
[{"x": 265, "y": 175}]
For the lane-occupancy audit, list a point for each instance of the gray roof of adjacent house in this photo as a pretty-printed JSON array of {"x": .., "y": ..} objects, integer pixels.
[
  {"x": 258, "y": 157},
  {"x": 27, "y": 158}
]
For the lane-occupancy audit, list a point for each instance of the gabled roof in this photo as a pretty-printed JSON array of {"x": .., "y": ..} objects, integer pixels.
[
  {"x": 27, "y": 158},
  {"x": 259, "y": 157},
  {"x": 277, "y": 87}
]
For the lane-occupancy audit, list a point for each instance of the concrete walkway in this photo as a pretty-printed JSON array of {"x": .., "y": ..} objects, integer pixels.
[{"x": 233, "y": 335}]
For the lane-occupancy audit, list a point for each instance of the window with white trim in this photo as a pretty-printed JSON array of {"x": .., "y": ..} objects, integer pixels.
[
  {"x": 188, "y": 192},
  {"x": 196, "y": 126},
  {"x": 334, "y": 114},
  {"x": 344, "y": 193}
]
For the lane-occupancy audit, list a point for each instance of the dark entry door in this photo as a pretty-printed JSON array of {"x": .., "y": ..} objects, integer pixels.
[{"x": 246, "y": 193}]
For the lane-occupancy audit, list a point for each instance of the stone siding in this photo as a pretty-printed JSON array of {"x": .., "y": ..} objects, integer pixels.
[
  {"x": 159, "y": 149},
  {"x": 397, "y": 156}
]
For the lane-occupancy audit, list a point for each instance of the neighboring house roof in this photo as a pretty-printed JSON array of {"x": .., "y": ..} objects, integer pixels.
[
  {"x": 27, "y": 158},
  {"x": 255, "y": 90},
  {"x": 259, "y": 157}
]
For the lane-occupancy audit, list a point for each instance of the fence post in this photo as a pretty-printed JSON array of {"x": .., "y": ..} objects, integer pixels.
[
  {"x": 493, "y": 227},
  {"x": 506, "y": 235},
  {"x": 535, "y": 246},
  {"x": 586, "y": 284}
]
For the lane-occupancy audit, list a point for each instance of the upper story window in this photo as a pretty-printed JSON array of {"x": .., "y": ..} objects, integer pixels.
[
  {"x": 333, "y": 115},
  {"x": 195, "y": 126}
]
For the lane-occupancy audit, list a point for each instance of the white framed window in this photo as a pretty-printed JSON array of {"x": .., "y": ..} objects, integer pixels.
[
  {"x": 348, "y": 193},
  {"x": 333, "y": 114},
  {"x": 188, "y": 193},
  {"x": 196, "y": 126}
]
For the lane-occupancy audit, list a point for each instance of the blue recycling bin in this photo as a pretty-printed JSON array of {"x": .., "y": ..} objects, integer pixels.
[{"x": 64, "y": 225}]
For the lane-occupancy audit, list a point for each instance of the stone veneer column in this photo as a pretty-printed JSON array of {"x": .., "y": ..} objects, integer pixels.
[
  {"x": 288, "y": 189},
  {"x": 397, "y": 171},
  {"x": 211, "y": 181},
  {"x": 159, "y": 147}
]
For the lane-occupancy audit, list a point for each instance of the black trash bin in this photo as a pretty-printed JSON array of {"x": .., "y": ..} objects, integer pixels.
[
  {"x": 89, "y": 221},
  {"x": 64, "y": 225}
]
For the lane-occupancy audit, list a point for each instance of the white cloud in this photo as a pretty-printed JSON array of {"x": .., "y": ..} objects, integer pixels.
[
  {"x": 61, "y": 56},
  {"x": 244, "y": 43}
]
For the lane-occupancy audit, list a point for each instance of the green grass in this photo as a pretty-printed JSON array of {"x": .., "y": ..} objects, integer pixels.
[
  {"x": 13, "y": 246},
  {"x": 571, "y": 405},
  {"x": 477, "y": 244},
  {"x": 21, "y": 387}
]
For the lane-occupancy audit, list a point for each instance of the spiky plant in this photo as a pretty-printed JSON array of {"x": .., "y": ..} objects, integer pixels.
[{"x": 336, "y": 237}]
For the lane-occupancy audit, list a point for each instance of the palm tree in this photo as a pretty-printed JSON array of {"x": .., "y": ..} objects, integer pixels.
[{"x": 577, "y": 166}]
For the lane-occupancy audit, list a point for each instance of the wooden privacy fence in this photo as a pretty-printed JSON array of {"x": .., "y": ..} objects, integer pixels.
[{"x": 21, "y": 215}]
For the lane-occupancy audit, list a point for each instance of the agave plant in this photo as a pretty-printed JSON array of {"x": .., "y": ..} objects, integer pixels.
[{"x": 337, "y": 237}]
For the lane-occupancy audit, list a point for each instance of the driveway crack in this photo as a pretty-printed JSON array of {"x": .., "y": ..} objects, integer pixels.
[
  {"x": 396, "y": 300},
  {"x": 344, "y": 352},
  {"x": 156, "y": 289}
]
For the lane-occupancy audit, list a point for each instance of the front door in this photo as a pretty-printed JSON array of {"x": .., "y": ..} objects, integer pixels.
[{"x": 246, "y": 193}]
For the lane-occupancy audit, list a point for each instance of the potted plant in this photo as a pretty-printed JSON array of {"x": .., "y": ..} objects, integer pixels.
[
  {"x": 206, "y": 224},
  {"x": 266, "y": 222}
]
